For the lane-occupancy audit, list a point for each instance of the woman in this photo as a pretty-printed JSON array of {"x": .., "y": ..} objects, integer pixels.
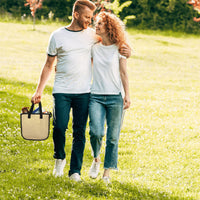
[{"x": 110, "y": 84}]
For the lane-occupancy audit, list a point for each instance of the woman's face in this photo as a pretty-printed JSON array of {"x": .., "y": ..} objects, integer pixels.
[{"x": 100, "y": 27}]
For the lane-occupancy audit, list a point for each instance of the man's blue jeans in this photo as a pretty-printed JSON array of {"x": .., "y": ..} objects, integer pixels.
[
  {"x": 62, "y": 105},
  {"x": 105, "y": 108}
]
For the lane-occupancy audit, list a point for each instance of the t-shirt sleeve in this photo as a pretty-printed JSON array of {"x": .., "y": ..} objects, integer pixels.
[
  {"x": 51, "y": 49},
  {"x": 94, "y": 36},
  {"x": 121, "y": 56}
]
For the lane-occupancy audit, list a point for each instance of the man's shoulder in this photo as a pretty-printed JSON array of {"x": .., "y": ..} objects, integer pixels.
[
  {"x": 58, "y": 31},
  {"x": 90, "y": 31},
  {"x": 92, "y": 34}
]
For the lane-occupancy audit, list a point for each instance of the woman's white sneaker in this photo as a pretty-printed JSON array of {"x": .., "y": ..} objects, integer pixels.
[
  {"x": 59, "y": 167},
  {"x": 106, "y": 180},
  {"x": 94, "y": 169}
]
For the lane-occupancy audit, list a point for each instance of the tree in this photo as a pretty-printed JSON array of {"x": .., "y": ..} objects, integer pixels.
[
  {"x": 34, "y": 5},
  {"x": 114, "y": 7},
  {"x": 196, "y": 6}
]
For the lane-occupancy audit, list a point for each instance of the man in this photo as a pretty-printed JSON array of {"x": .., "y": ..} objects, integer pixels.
[{"x": 71, "y": 46}]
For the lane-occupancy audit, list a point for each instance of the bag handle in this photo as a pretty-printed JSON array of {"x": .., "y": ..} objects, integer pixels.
[{"x": 31, "y": 110}]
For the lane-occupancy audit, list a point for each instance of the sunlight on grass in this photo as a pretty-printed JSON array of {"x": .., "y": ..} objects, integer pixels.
[{"x": 159, "y": 151}]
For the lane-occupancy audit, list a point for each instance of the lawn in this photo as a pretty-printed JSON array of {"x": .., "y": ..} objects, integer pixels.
[{"x": 159, "y": 149}]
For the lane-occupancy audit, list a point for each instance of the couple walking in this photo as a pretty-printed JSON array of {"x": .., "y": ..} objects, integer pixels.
[{"x": 77, "y": 48}]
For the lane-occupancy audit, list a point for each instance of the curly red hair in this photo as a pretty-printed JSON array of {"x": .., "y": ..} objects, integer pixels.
[{"x": 114, "y": 27}]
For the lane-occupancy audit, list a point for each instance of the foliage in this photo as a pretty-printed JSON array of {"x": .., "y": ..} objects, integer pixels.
[
  {"x": 174, "y": 15},
  {"x": 34, "y": 5},
  {"x": 196, "y": 6},
  {"x": 162, "y": 14},
  {"x": 114, "y": 7}
]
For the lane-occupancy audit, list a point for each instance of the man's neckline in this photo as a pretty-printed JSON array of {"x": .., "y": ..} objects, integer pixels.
[{"x": 73, "y": 30}]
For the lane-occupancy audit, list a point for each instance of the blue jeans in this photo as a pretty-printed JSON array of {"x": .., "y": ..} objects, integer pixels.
[
  {"x": 62, "y": 105},
  {"x": 105, "y": 108}
]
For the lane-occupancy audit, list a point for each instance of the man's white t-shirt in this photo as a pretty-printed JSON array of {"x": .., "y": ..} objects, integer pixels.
[
  {"x": 106, "y": 72},
  {"x": 73, "y": 51}
]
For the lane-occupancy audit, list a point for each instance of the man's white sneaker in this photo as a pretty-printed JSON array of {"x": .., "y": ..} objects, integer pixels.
[
  {"x": 94, "y": 169},
  {"x": 75, "y": 177},
  {"x": 59, "y": 167},
  {"x": 106, "y": 180}
]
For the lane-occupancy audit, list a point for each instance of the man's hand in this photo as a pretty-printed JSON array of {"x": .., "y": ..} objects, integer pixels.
[
  {"x": 196, "y": 19},
  {"x": 36, "y": 98},
  {"x": 127, "y": 102},
  {"x": 125, "y": 50}
]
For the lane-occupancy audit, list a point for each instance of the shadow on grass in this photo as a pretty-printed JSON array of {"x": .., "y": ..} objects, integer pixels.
[
  {"x": 37, "y": 183},
  {"x": 62, "y": 188},
  {"x": 14, "y": 95},
  {"x": 119, "y": 190},
  {"x": 20, "y": 86}
]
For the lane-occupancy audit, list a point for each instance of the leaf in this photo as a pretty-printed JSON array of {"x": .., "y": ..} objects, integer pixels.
[
  {"x": 125, "y": 4},
  {"x": 116, "y": 7},
  {"x": 128, "y": 18}
]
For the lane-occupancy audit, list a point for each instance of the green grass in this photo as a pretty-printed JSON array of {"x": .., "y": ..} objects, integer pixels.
[{"x": 159, "y": 149}]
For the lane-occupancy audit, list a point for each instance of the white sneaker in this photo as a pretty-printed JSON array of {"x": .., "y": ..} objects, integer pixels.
[
  {"x": 59, "y": 167},
  {"x": 94, "y": 169},
  {"x": 75, "y": 177},
  {"x": 106, "y": 180}
]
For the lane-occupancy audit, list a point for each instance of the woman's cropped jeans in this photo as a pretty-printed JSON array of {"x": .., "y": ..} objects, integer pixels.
[{"x": 105, "y": 108}]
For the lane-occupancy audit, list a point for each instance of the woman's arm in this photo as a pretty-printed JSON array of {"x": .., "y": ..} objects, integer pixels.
[
  {"x": 45, "y": 74},
  {"x": 124, "y": 78}
]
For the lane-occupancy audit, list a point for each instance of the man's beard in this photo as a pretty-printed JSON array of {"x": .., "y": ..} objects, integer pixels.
[{"x": 81, "y": 24}]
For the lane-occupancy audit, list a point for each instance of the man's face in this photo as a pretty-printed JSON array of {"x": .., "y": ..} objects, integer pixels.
[{"x": 84, "y": 18}]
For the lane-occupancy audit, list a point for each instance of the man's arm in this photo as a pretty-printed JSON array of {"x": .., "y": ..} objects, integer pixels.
[
  {"x": 124, "y": 78},
  {"x": 45, "y": 74}
]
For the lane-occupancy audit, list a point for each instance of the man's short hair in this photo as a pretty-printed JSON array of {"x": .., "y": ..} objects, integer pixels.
[{"x": 81, "y": 4}]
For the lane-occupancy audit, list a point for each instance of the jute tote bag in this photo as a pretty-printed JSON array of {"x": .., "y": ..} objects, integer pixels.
[{"x": 35, "y": 126}]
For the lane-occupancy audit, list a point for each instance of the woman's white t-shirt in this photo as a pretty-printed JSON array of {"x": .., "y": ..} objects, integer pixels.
[{"x": 106, "y": 72}]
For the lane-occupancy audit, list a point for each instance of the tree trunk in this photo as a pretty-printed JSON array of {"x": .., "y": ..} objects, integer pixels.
[{"x": 34, "y": 22}]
